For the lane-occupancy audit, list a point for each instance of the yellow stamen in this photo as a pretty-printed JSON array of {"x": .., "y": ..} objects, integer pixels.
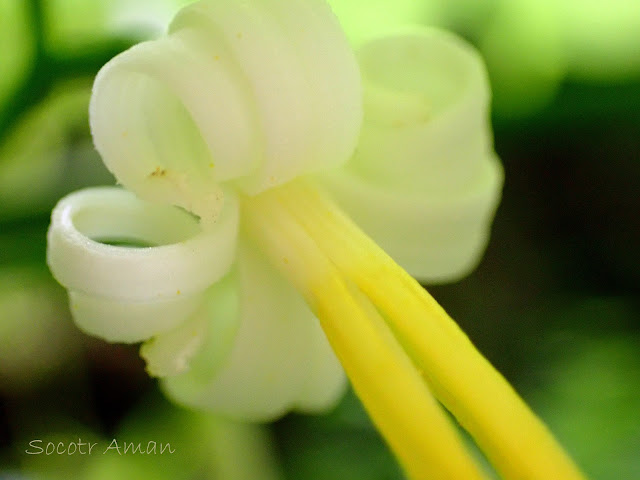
[
  {"x": 515, "y": 440},
  {"x": 389, "y": 385}
]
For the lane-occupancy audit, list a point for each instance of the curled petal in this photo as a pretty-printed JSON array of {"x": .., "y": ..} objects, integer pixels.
[
  {"x": 279, "y": 358},
  {"x": 128, "y": 294},
  {"x": 424, "y": 181},
  {"x": 170, "y": 353},
  {"x": 117, "y": 320},
  {"x": 213, "y": 328},
  {"x": 258, "y": 91}
]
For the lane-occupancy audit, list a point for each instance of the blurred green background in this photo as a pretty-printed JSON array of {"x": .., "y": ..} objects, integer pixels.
[{"x": 555, "y": 304}]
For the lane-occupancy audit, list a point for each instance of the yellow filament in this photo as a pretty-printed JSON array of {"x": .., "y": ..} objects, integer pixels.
[
  {"x": 514, "y": 439},
  {"x": 389, "y": 385}
]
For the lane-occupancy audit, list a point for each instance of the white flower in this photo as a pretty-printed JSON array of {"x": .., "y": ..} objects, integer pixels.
[
  {"x": 239, "y": 98},
  {"x": 239, "y": 116}
]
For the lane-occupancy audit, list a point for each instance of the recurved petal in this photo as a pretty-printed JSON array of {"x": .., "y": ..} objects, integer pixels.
[
  {"x": 424, "y": 181},
  {"x": 254, "y": 93},
  {"x": 125, "y": 293}
]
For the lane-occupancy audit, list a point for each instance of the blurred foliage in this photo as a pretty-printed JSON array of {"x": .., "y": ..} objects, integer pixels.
[
  {"x": 593, "y": 400},
  {"x": 37, "y": 338},
  {"x": 554, "y": 305}
]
